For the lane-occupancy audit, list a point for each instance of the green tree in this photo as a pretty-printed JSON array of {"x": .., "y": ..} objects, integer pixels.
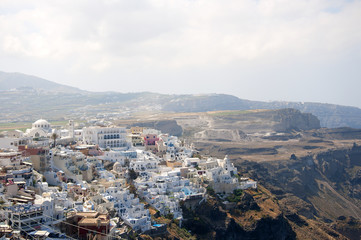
[
  {"x": 54, "y": 136},
  {"x": 132, "y": 174},
  {"x": 211, "y": 191}
]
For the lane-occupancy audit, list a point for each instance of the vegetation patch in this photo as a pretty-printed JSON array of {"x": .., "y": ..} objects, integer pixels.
[{"x": 228, "y": 113}]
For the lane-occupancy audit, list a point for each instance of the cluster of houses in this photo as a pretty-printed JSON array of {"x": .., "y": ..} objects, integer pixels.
[{"x": 68, "y": 183}]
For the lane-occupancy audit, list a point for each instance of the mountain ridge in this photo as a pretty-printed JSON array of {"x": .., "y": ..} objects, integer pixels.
[
  {"x": 16, "y": 80},
  {"x": 74, "y": 99}
]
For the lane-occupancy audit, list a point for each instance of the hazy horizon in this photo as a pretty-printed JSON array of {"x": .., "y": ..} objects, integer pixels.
[{"x": 265, "y": 50}]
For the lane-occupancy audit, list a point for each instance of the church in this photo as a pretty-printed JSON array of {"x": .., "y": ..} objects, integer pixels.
[{"x": 40, "y": 129}]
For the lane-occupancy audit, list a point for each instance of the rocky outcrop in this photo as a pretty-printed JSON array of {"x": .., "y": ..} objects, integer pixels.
[
  {"x": 348, "y": 226},
  {"x": 210, "y": 220},
  {"x": 326, "y": 185},
  {"x": 266, "y": 228},
  {"x": 247, "y": 203},
  {"x": 291, "y": 119}
]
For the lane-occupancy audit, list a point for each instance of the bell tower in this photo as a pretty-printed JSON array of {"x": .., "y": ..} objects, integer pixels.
[{"x": 71, "y": 128}]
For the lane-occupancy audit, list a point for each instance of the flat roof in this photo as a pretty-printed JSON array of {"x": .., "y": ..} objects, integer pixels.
[
  {"x": 39, "y": 233},
  {"x": 93, "y": 221},
  {"x": 9, "y": 154},
  {"x": 87, "y": 214},
  {"x": 20, "y": 200}
]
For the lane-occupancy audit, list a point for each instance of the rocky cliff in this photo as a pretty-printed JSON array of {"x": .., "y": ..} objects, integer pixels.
[
  {"x": 255, "y": 215},
  {"x": 323, "y": 186},
  {"x": 291, "y": 119}
]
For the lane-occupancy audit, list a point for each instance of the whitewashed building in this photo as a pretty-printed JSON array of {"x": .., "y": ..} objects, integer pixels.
[
  {"x": 40, "y": 128},
  {"x": 112, "y": 137},
  {"x": 164, "y": 192},
  {"x": 119, "y": 156},
  {"x": 128, "y": 208},
  {"x": 145, "y": 161}
]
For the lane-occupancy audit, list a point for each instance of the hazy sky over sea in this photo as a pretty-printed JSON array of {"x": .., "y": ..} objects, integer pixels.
[{"x": 255, "y": 49}]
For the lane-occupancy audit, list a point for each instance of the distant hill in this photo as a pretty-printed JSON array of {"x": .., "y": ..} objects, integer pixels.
[
  {"x": 330, "y": 115},
  {"x": 10, "y": 81},
  {"x": 36, "y": 97}
]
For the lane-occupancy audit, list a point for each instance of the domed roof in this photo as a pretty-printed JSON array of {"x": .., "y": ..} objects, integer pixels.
[{"x": 42, "y": 122}]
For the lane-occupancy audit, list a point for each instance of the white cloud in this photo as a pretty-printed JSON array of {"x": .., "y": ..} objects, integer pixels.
[{"x": 111, "y": 39}]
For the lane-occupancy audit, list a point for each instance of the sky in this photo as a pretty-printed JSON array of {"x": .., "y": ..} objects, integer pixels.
[{"x": 299, "y": 50}]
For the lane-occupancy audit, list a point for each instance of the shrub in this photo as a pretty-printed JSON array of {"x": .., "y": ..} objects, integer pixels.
[
  {"x": 169, "y": 216},
  {"x": 211, "y": 191},
  {"x": 238, "y": 192}
]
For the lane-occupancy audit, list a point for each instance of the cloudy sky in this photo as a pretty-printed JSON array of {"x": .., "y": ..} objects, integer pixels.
[{"x": 300, "y": 50}]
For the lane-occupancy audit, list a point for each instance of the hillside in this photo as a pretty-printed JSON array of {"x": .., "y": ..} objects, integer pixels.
[
  {"x": 11, "y": 81},
  {"x": 311, "y": 175},
  {"x": 21, "y": 93},
  {"x": 330, "y": 115},
  {"x": 249, "y": 214}
]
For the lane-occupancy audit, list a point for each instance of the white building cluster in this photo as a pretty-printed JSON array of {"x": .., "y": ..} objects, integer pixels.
[
  {"x": 92, "y": 177},
  {"x": 145, "y": 162},
  {"x": 165, "y": 191},
  {"x": 128, "y": 207}
]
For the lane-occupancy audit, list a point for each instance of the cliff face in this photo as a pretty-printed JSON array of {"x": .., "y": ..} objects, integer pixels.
[
  {"x": 250, "y": 214},
  {"x": 325, "y": 185},
  {"x": 348, "y": 226},
  {"x": 266, "y": 228},
  {"x": 292, "y": 119},
  {"x": 330, "y": 115},
  {"x": 255, "y": 215}
]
